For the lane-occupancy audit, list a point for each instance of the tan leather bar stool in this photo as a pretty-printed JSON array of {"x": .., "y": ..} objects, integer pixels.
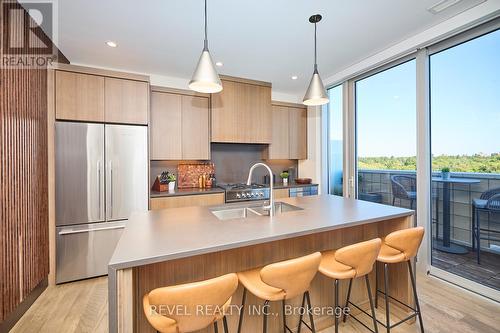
[
  {"x": 279, "y": 282},
  {"x": 397, "y": 247},
  {"x": 351, "y": 262},
  {"x": 176, "y": 309}
]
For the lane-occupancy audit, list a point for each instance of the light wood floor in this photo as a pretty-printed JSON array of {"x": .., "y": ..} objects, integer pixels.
[{"x": 82, "y": 307}]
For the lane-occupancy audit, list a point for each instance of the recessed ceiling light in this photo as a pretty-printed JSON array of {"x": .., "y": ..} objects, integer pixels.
[
  {"x": 218, "y": 63},
  {"x": 110, "y": 43},
  {"x": 442, "y": 5},
  {"x": 295, "y": 77}
]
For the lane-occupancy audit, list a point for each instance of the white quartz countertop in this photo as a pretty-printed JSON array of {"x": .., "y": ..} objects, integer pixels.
[{"x": 168, "y": 234}]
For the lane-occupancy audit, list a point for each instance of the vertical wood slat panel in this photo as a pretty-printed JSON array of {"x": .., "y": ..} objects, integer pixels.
[{"x": 24, "y": 261}]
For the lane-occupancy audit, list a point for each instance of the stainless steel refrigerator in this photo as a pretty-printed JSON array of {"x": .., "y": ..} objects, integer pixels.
[{"x": 101, "y": 178}]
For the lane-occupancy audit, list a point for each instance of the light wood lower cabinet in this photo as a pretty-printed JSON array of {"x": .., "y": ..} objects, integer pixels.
[
  {"x": 281, "y": 193},
  {"x": 187, "y": 201},
  {"x": 180, "y": 126},
  {"x": 289, "y": 132},
  {"x": 79, "y": 96},
  {"x": 126, "y": 101}
]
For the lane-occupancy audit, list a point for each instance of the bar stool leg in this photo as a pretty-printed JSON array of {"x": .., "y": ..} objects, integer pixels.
[
  {"x": 284, "y": 315},
  {"x": 301, "y": 312},
  {"x": 224, "y": 321},
  {"x": 344, "y": 315},
  {"x": 376, "y": 285},
  {"x": 216, "y": 329},
  {"x": 336, "y": 305},
  {"x": 375, "y": 326},
  {"x": 386, "y": 289},
  {"x": 242, "y": 310},
  {"x": 264, "y": 326},
  {"x": 309, "y": 307},
  {"x": 417, "y": 305}
]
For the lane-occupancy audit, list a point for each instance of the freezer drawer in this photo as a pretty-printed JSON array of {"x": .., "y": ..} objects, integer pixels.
[{"x": 84, "y": 251}]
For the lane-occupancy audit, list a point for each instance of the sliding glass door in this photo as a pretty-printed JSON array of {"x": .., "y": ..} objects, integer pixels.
[
  {"x": 335, "y": 142},
  {"x": 386, "y": 136},
  {"x": 465, "y": 134}
]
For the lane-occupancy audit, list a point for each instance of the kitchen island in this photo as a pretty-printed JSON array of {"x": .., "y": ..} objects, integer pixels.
[{"x": 181, "y": 245}]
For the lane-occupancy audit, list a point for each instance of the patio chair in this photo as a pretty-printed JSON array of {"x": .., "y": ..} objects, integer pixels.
[
  {"x": 404, "y": 187},
  {"x": 489, "y": 202}
]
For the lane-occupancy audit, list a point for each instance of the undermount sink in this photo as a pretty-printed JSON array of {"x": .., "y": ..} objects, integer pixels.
[{"x": 230, "y": 213}]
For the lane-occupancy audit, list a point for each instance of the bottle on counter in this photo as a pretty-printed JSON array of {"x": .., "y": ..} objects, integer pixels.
[
  {"x": 200, "y": 181},
  {"x": 204, "y": 180},
  {"x": 208, "y": 182}
]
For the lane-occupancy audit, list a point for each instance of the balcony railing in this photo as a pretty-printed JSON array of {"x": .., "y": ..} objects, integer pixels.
[{"x": 375, "y": 185}]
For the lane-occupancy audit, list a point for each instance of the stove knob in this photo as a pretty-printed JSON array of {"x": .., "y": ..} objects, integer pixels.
[
  {"x": 238, "y": 196},
  {"x": 243, "y": 195},
  {"x": 261, "y": 194}
]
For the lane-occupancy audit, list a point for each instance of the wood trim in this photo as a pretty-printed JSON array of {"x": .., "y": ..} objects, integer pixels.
[
  {"x": 288, "y": 104},
  {"x": 125, "y": 296},
  {"x": 100, "y": 72},
  {"x": 244, "y": 80},
  {"x": 51, "y": 117},
  {"x": 178, "y": 91}
]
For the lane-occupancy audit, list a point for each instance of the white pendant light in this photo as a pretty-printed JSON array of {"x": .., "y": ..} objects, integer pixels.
[
  {"x": 316, "y": 93},
  {"x": 205, "y": 78}
]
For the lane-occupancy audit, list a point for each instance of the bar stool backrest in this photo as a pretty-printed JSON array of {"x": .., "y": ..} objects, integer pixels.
[
  {"x": 493, "y": 203},
  {"x": 360, "y": 256},
  {"x": 194, "y": 306},
  {"x": 292, "y": 276},
  {"x": 491, "y": 192},
  {"x": 407, "y": 241}
]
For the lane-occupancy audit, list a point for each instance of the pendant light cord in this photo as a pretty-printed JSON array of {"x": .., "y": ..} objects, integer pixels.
[
  {"x": 205, "y": 46},
  {"x": 315, "y": 55}
]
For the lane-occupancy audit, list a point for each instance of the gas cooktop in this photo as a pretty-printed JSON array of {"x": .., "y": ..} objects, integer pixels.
[{"x": 243, "y": 192}]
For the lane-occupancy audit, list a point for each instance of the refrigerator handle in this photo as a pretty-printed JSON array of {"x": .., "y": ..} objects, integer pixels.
[
  {"x": 90, "y": 230},
  {"x": 111, "y": 188},
  {"x": 99, "y": 188}
]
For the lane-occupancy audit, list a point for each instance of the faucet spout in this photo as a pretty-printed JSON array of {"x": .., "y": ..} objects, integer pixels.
[{"x": 269, "y": 207}]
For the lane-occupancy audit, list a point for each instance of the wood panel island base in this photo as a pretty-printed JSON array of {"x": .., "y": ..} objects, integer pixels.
[{"x": 181, "y": 245}]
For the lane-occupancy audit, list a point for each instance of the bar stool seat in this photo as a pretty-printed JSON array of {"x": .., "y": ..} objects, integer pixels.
[
  {"x": 161, "y": 305},
  {"x": 334, "y": 269},
  {"x": 253, "y": 282},
  {"x": 399, "y": 247},
  {"x": 390, "y": 255},
  {"x": 349, "y": 263},
  {"x": 279, "y": 282}
]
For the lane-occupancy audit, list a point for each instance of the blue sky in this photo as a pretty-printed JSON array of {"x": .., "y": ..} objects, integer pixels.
[{"x": 465, "y": 104}]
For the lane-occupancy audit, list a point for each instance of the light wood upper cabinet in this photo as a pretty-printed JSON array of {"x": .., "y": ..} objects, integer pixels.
[
  {"x": 289, "y": 130},
  {"x": 298, "y": 133},
  {"x": 280, "y": 146},
  {"x": 195, "y": 128},
  {"x": 241, "y": 112},
  {"x": 180, "y": 126},
  {"x": 166, "y": 126},
  {"x": 126, "y": 101},
  {"x": 79, "y": 96}
]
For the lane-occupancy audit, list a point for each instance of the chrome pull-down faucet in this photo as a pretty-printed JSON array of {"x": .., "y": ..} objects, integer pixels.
[{"x": 269, "y": 207}]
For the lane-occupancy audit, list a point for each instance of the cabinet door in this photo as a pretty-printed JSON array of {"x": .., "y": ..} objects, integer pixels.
[
  {"x": 195, "y": 128},
  {"x": 166, "y": 126},
  {"x": 281, "y": 193},
  {"x": 225, "y": 113},
  {"x": 241, "y": 113},
  {"x": 298, "y": 133},
  {"x": 187, "y": 201},
  {"x": 79, "y": 97},
  {"x": 126, "y": 101},
  {"x": 280, "y": 143}
]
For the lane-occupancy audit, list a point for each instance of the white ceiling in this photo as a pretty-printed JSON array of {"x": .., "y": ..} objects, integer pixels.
[{"x": 263, "y": 40}]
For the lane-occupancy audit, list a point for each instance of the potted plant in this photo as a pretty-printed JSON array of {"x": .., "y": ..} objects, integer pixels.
[
  {"x": 171, "y": 182},
  {"x": 284, "y": 177},
  {"x": 445, "y": 173}
]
